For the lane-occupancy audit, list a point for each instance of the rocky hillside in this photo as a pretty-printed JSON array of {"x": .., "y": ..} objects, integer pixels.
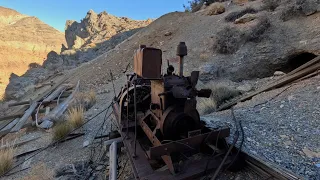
[
  {"x": 93, "y": 36},
  {"x": 23, "y": 40},
  {"x": 96, "y": 28},
  {"x": 241, "y": 43}
]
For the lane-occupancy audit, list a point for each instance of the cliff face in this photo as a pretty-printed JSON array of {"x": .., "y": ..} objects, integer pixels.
[
  {"x": 24, "y": 40},
  {"x": 96, "y": 28},
  {"x": 93, "y": 36}
]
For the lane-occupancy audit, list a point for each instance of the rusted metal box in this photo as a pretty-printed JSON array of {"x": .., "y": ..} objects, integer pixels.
[{"x": 148, "y": 62}]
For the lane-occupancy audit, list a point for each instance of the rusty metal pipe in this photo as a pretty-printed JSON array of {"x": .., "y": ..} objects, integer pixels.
[
  {"x": 113, "y": 161},
  {"x": 181, "y": 58},
  {"x": 135, "y": 115},
  {"x": 181, "y": 52}
]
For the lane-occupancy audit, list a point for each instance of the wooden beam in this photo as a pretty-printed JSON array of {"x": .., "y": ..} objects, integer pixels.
[
  {"x": 11, "y": 125},
  {"x": 17, "y": 144},
  {"x": 277, "y": 84},
  {"x": 25, "y": 117},
  {"x": 19, "y": 103},
  {"x": 304, "y": 66},
  {"x": 54, "y": 94},
  {"x": 47, "y": 121},
  {"x": 10, "y": 117}
]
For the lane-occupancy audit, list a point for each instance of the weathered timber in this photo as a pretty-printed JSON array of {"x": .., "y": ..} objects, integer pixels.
[
  {"x": 304, "y": 66},
  {"x": 19, "y": 103},
  {"x": 10, "y": 125},
  {"x": 2, "y": 133},
  {"x": 55, "y": 94},
  {"x": 277, "y": 84},
  {"x": 11, "y": 117},
  {"x": 47, "y": 121},
  {"x": 19, "y": 143},
  {"x": 25, "y": 117}
]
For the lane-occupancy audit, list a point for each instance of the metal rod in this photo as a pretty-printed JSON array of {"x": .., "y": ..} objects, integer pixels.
[
  {"x": 181, "y": 66},
  {"x": 113, "y": 161},
  {"x": 114, "y": 89},
  {"x": 128, "y": 85},
  {"x": 135, "y": 115}
]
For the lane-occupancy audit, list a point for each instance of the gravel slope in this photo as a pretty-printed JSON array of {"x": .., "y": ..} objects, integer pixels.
[{"x": 281, "y": 128}]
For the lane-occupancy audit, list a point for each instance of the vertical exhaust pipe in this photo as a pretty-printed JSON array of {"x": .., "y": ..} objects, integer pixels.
[{"x": 181, "y": 52}]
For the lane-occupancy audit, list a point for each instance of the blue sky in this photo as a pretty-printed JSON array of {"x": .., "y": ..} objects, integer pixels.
[{"x": 56, "y": 12}]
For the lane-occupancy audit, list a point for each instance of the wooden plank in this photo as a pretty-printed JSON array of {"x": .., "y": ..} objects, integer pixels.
[
  {"x": 11, "y": 117},
  {"x": 277, "y": 84},
  {"x": 10, "y": 125},
  {"x": 25, "y": 117},
  {"x": 47, "y": 121},
  {"x": 2, "y": 133},
  {"x": 54, "y": 94},
  {"x": 304, "y": 66},
  {"x": 19, "y": 143},
  {"x": 19, "y": 103}
]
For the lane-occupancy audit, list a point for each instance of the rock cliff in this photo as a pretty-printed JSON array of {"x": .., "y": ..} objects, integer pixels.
[{"x": 24, "y": 40}]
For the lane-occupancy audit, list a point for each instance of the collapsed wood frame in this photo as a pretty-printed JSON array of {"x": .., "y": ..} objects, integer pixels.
[{"x": 56, "y": 98}]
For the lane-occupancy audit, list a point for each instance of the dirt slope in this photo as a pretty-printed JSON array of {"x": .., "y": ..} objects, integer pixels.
[
  {"x": 275, "y": 49},
  {"x": 27, "y": 35}
]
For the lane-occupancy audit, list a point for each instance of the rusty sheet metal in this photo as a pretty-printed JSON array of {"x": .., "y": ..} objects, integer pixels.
[
  {"x": 186, "y": 144},
  {"x": 148, "y": 62}
]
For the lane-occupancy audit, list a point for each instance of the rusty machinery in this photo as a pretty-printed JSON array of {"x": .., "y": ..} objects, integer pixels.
[{"x": 160, "y": 125}]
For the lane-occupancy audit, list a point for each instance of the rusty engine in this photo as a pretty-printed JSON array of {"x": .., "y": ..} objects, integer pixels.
[{"x": 159, "y": 123}]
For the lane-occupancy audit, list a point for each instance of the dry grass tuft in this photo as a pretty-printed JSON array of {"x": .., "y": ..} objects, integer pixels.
[
  {"x": 40, "y": 172},
  {"x": 220, "y": 94},
  {"x": 92, "y": 97},
  {"x": 6, "y": 158},
  {"x": 61, "y": 130},
  {"x": 76, "y": 117},
  {"x": 85, "y": 99},
  {"x": 206, "y": 106},
  {"x": 231, "y": 17}
]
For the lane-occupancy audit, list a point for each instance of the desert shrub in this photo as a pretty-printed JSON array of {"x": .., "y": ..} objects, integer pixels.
[
  {"x": 220, "y": 94},
  {"x": 76, "y": 116},
  {"x": 270, "y": 5},
  {"x": 84, "y": 99},
  {"x": 228, "y": 40},
  {"x": 206, "y": 106},
  {"x": 231, "y": 17},
  {"x": 257, "y": 31},
  {"x": 61, "y": 130},
  {"x": 40, "y": 171},
  {"x": 6, "y": 158}
]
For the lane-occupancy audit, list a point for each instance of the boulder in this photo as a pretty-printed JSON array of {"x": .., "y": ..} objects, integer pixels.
[
  {"x": 18, "y": 86},
  {"x": 53, "y": 61},
  {"x": 310, "y": 7}
]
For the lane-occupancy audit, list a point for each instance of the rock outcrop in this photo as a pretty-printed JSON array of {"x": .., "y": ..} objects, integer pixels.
[
  {"x": 93, "y": 36},
  {"x": 23, "y": 40},
  {"x": 97, "y": 28}
]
